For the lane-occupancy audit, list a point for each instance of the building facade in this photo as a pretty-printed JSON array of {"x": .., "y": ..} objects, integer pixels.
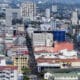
[
  {"x": 8, "y": 73},
  {"x": 74, "y": 17},
  {"x": 42, "y": 39},
  {"x": 21, "y": 61},
  {"x": 11, "y": 14},
  {"x": 28, "y": 10}
]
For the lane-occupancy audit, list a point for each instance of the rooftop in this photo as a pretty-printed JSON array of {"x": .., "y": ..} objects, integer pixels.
[
  {"x": 56, "y": 60},
  {"x": 8, "y": 67},
  {"x": 58, "y": 46}
]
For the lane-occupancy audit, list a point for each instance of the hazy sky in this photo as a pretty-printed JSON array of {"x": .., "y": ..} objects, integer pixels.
[{"x": 61, "y": 1}]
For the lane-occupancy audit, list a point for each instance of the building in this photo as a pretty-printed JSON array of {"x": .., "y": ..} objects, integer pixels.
[
  {"x": 47, "y": 13},
  {"x": 56, "y": 63},
  {"x": 16, "y": 50},
  {"x": 2, "y": 40},
  {"x": 46, "y": 27},
  {"x": 74, "y": 18},
  {"x": 54, "y": 8},
  {"x": 28, "y": 10},
  {"x": 61, "y": 55},
  {"x": 42, "y": 39},
  {"x": 8, "y": 38},
  {"x": 4, "y": 5},
  {"x": 11, "y": 15},
  {"x": 8, "y": 73},
  {"x": 59, "y": 36},
  {"x": 56, "y": 48},
  {"x": 20, "y": 28},
  {"x": 64, "y": 76},
  {"x": 20, "y": 60},
  {"x": 2, "y": 60}
]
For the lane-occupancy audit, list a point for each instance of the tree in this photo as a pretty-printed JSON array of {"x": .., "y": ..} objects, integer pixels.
[
  {"x": 25, "y": 71},
  {"x": 25, "y": 77}
]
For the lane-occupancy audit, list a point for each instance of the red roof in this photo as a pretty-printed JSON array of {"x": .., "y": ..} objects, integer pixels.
[
  {"x": 57, "y": 47},
  {"x": 8, "y": 67},
  {"x": 41, "y": 60},
  {"x": 25, "y": 52},
  {"x": 63, "y": 45}
]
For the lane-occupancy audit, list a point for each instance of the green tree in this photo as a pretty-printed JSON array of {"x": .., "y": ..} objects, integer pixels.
[
  {"x": 26, "y": 71},
  {"x": 25, "y": 77}
]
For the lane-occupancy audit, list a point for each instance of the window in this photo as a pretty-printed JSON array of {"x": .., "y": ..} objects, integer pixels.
[{"x": 16, "y": 58}]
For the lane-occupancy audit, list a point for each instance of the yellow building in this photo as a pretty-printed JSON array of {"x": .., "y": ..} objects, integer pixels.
[{"x": 20, "y": 60}]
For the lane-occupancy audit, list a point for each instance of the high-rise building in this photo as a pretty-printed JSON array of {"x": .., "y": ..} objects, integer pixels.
[
  {"x": 28, "y": 10},
  {"x": 74, "y": 18},
  {"x": 11, "y": 15},
  {"x": 47, "y": 12},
  {"x": 54, "y": 8}
]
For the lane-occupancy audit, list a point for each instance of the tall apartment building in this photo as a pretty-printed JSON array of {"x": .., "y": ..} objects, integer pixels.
[
  {"x": 74, "y": 18},
  {"x": 54, "y": 8},
  {"x": 47, "y": 12},
  {"x": 28, "y": 10}
]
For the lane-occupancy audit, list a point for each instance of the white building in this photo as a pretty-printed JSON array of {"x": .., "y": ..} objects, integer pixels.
[
  {"x": 42, "y": 39},
  {"x": 8, "y": 35},
  {"x": 8, "y": 73},
  {"x": 28, "y": 10},
  {"x": 68, "y": 54},
  {"x": 2, "y": 60},
  {"x": 54, "y": 8},
  {"x": 47, "y": 13},
  {"x": 74, "y": 18}
]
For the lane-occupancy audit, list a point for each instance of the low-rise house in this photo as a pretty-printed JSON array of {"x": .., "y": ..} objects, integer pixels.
[
  {"x": 50, "y": 63},
  {"x": 64, "y": 76}
]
